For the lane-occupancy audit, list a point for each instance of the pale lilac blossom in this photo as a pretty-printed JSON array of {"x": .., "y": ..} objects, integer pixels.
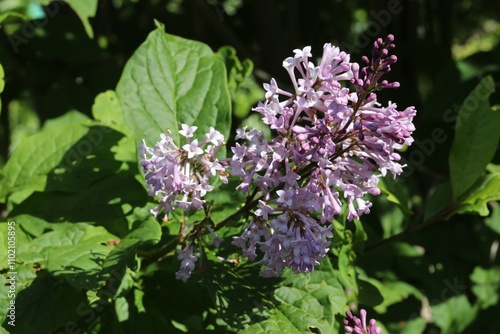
[{"x": 180, "y": 177}]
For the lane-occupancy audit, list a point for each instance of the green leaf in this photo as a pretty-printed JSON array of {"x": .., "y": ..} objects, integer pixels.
[
  {"x": 126, "y": 284},
  {"x": 81, "y": 261},
  {"x": 453, "y": 315},
  {"x": 306, "y": 301},
  {"x": 277, "y": 323},
  {"x": 65, "y": 158},
  {"x": 237, "y": 71},
  {"x": 108, "y": 111},
  {"x": 60, "y": 235},
  {"x": 476, "y": 138},
  {"x": 493, "y": 221},
  {"x": 486, "y": 285},
  {"x": 121, "y": 309},
  {"x": 47, "y": 304},
  {"x": 85, "y": 10},
  {"x": 69, "y": 118},
  {"x": 245, "y": 92},
  {"x": 393, "y": 292},
  {"x": 107, "y": 202},
  {"x": 439, "y": 200},
  {"x": 169, "y": 81},
  {"x": 124, "y": 254},
  {"x": 25, "y": 274},
  {"x": 492, "y": 168},
  {"x": 138, "y": 301},
  {"x": 369, "y": 293},
  {"x": 21, "y": 237},
  {"x": 347, "y": 274},
  {"x": 486, "y": 189},
  {"x": 396, "y": 194}
]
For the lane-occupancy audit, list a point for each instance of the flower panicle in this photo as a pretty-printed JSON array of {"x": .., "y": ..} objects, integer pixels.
[
  {"x": 331, "y": 145},
  {"x": 179, "y": 176}
]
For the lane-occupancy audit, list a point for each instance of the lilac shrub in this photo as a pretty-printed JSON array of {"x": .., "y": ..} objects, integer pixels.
[{"x": 333, "y": 140}]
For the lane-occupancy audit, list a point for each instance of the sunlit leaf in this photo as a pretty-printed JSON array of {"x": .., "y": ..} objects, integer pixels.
[
  {"x": 476, "y": 138},
  {"x": 169, "y": 81}
]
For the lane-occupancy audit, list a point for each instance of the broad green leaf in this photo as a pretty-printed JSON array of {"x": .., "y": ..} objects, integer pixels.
[
  {"x": 301, "y": 309},
  {"x": 369, "y": 294},
  {"x": 71, "y": 117},
  {"x": 18, "y": 235},
  {"x": 62, "y": 234},
  {"x": 359, "y": 237},
  {"x": 454, "y": 314},
  {"x": 486, "y": 285},
  {"x": 124, "y": 254},
  {"x": 393, "y": 292},
  {"x": 85, "y": 10},
  {"x": 126, "y": 284},
  {"x": 476, "y": 138},
  {"x": 347, "y": 274},
  {"x": 138, "y": 301},
  {"x": 486, "y": 189},
  {"x": 80, "y": 262},
  {"x": 169, "y": 81},
  {"x": 121, "y": 309},
  {"x": 276, "y": 324},
  {"x": 47, "y": 304},
  {"x": 492, "y": 168},
  {"x": 439, "y": 200},
  {"x": 396, "y": 194},
  {"x": 65, "y": 158},
  {"x": 493, "y": 221},
  {"x": 107, "y": 202},
  {"x": 32, "y": 225},
  {"x": 391, "y": 217},
  {"x": 237, "y": 71},
  {"x": 108, "y": 111},
  {"x": 245, "y": 92},
  {"x": 25, "y": 274},
  {"x": 23, "y": 122},
  {"x": 305, "y": 302}
]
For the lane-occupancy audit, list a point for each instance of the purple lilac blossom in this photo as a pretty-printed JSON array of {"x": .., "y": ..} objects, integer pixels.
[
  {"x": 355, "y": 325},
  {"x": 331, "y": 145},
  {"x": 180, "y": 176}
]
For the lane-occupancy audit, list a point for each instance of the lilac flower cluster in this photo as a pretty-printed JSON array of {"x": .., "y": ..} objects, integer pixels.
[
  {"x": 331, "y": 144},
  {"x": 179, "y": 176},
  {"x": 355, "y": 325}
]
